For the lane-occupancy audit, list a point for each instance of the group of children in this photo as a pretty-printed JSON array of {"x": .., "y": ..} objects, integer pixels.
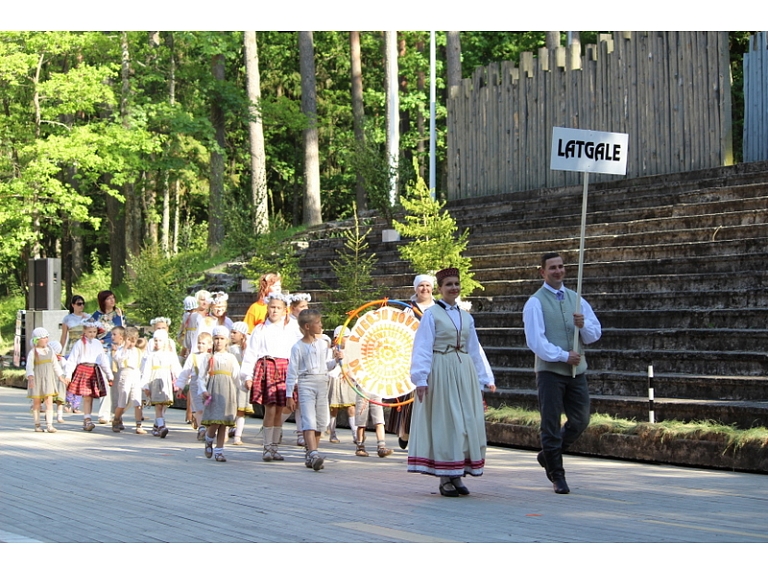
[{"x": 284, "y": 363}]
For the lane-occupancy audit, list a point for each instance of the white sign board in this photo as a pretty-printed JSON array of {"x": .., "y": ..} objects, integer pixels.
[{"x": 588, "y": 151}]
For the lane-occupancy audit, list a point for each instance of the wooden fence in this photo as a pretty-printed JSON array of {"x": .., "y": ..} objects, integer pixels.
[
  {"x": 670, "y": 91},
  {"x": 756, "y": 99}
]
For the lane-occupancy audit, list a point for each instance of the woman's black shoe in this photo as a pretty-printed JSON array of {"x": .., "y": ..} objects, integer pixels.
[
  {"x": 461, "y": 489},
  {"x": 448, "y": 490}
]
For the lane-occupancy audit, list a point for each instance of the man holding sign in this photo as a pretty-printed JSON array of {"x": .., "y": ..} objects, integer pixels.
[{"x": 551, "y": 316}]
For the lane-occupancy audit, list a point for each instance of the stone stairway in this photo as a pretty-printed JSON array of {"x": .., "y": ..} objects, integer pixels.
[{"x": 674, "y": 268}]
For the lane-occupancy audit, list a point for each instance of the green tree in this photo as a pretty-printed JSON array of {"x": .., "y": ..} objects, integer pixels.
[
  {"x": 352, "y": 269},
  {"x": 435, "y": 244}
]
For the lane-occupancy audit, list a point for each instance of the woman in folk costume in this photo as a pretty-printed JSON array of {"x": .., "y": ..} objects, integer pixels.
[
  {"x": 265, "y": 367},
  {"x": 88, "y": 370},
  {"x": 239, "y": 343},
  {"x": 399, "y": 421},
  {"x": 158, "y": 378},
  {"x": 449, "y": 370},
  {"x": 43, "y": 371},
  {"x": 218, "y": 386}
]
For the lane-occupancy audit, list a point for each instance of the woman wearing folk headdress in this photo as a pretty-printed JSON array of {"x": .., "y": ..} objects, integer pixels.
[
  {"x": 449, "y": 369},
  {"x": 399, "y": 421}
]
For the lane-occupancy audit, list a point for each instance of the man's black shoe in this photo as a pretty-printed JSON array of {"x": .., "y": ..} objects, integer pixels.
[{"x": 560, "y": 485}]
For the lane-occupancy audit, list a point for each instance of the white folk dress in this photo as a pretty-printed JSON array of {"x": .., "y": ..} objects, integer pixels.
[
  {"x": 161, "y": 369},
  {"x": 448, "y": 426}
]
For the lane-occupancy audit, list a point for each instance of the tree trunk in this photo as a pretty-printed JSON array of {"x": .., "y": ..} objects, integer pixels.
[
  {"x": 453, "y": 57},
  {"x": 392, "y": 111},
  {"x": 175, "y": 183},
  {"x": 358, "y": 113},
  {"x": 176, "y": 216},
  {"x": 122, "y": 220},
  {"x": 421, "y": 86},
  {"x": 216, "y": 196},
  {"x": 256, "y": 133},
  {"x": 312, "y": 205}
]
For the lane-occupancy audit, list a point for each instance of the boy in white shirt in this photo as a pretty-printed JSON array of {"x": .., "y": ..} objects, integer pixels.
[{"x": 312, "y": 357}]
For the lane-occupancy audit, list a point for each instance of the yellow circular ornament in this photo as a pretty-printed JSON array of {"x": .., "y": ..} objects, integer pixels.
[{"x": 377, "y": 354}]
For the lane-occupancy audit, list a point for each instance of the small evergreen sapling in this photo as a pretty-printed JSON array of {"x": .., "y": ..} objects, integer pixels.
[{"x": 435, "y": 244}]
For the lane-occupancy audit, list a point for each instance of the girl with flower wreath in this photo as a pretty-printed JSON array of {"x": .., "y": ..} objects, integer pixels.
[
  {"x": 265, "y": 367},
  {"x": 88, "y": 370}
]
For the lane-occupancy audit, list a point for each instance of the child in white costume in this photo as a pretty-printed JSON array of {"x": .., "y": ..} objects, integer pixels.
[
  {"x": 364, "y": 407},
  {"x": 190, "y": 303},
  {"x": 340, "y": 393},
  {"x": 195, "y": 364},
  {"x": 218, "y": 385},
  {"x": 219, "y": 310},
  {"x": 60, "y": 399},
  {"x": 43, "y": 369},
  {"x": 158, "y": 378},
  {"x": 128, "y": 387},
  {"x": 265, "y": 366},
  {"x": 88, "y": 370},
  {"x": 311, "y": 359},
  {"x": 299, "y": 302},
  {"x": 163, "y": 323},
  {"x": 239, "y": 339}
]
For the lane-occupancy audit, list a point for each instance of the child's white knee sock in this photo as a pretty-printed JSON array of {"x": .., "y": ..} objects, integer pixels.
[{"x": 239, "y": 425}]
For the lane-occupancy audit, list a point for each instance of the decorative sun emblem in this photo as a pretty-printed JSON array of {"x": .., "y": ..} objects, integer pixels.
[{"x": 377, "y": 355}]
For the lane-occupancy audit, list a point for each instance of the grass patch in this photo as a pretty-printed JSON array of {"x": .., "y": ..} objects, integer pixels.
[{"x": 662, "y": 431}]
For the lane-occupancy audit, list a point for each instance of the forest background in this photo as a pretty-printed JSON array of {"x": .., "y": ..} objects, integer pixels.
[{"x": 115, "y": 142}]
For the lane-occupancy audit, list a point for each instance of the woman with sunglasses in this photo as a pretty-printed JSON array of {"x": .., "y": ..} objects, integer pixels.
[{"x": 71, "y": 331}]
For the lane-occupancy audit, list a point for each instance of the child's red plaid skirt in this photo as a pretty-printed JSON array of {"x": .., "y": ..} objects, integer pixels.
[
  {"x": 269, "y": 381},
  {"x": 87, "y": 381}
]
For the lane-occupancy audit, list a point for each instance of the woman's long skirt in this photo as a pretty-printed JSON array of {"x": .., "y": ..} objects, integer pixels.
[{"x": 448, "y": 427}]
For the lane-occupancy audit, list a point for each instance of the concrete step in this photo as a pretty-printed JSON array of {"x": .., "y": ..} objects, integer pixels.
[
  {"x": 666, "y": 385},
  {"x": 520, "y": 243},
  {"x": 680, "y": 318},
  {"x": 743, "y": 414},
  {"x": 683, "y": 305},
  {"x": 638, "y": 191},
  {"x": 679, "y": 339},
  {"x": 692, "y": 362},
  {"x": 663, "y": 275}
]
